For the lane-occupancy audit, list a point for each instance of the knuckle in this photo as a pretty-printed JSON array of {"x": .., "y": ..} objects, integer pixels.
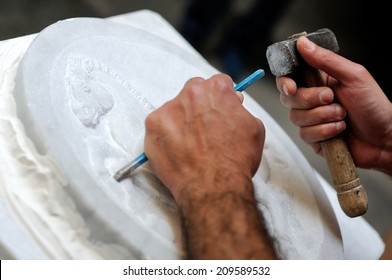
[
  {"x": 307, "y": 99},
  {"x": 260, "y": 128},
  {"x": 193, "y": 80},
  {"x": 324, "y": 131},
  {"x": 193, "y": 91},
  {"x": 359, "y": 70},
  {"x": 222, "y": 83},
  {"x": 151, "y": 120}
]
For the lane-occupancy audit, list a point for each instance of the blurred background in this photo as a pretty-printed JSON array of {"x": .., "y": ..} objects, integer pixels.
[{"x": 233, "y": 35}]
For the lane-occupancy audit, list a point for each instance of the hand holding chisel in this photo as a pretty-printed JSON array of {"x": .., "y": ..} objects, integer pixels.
[{"x": 142, "y": 158}]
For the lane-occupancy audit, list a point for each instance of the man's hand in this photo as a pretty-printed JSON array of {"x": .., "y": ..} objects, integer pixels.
[
  {"x": 205, "y": 147},
  {"x": 364, "y": 110}
]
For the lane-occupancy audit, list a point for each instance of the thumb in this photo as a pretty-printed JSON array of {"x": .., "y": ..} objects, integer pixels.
[{"x": 331, "y": 63}]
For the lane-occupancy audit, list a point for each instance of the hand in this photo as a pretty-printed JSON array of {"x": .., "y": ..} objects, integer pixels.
[
  {"x": 202, "y": 133},
  {"x": 364, "y": 110},
  {"x": 205, "y": 147}
]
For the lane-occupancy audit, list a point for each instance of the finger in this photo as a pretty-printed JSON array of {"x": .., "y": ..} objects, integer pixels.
[
  {"x": 322, "y": 132},
  {"x": 308, "y": 98},
  {"x": 333, "y": 64},
  {"x": 319, "y": 115},
  {"x": 286, "y": 86}
]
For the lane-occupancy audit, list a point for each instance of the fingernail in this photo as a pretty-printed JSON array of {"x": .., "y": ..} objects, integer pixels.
[
  {"x": 309, "y": 45},
  {"x": 285, "y": 90},
  {"x": 340, "y": 112},
  {"x": 340, "y": 126},
  {"x": 325, "y": 97}
]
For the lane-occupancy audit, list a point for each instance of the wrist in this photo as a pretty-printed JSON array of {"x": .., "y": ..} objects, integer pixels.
[{"x": 212, "y": 186}]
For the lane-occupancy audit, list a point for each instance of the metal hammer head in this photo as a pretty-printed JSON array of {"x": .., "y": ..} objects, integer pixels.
[{"x": 283, "y": 57}]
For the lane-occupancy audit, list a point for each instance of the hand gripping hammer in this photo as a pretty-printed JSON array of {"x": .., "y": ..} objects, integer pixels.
[{"x": 284, "y": 59}]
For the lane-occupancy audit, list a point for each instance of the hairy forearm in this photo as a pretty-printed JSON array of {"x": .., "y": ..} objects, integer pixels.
[{"x": 225, "y": 224}]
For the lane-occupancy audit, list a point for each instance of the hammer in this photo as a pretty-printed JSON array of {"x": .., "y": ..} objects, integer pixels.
[{"x": 284, "y": 59}]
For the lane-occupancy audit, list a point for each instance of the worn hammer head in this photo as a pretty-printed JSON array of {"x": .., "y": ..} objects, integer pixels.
[{"x": 283, "y": 57}]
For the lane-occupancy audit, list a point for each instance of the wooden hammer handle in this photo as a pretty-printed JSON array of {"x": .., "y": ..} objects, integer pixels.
[{"x": 351, "y": 194}]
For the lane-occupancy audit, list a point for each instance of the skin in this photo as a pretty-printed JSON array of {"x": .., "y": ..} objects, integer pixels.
[
  {"x": 364, "y": 112},
  {"x": 205, "y": 147}
]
